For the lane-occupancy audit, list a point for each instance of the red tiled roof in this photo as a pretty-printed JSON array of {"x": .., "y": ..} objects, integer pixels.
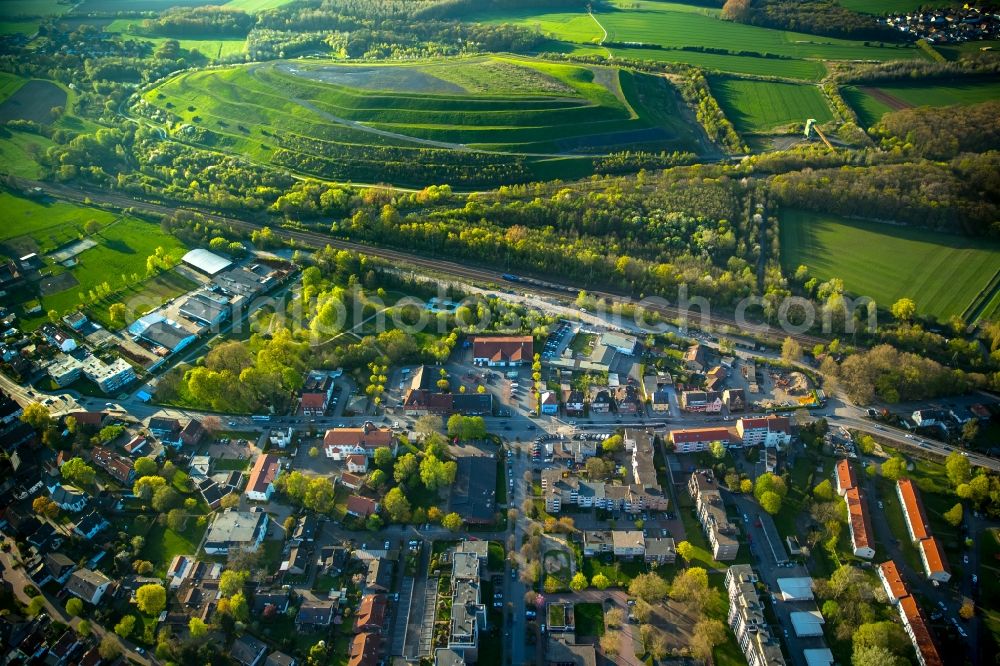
[
  {"x": 88, "y": 418},
  {"x": 371, "y": 612},
  {"x": 424, "y": 399},
  {"x": 921, "y": 635},
  {"x": 691, "y": 435},
  {"x": 264, "y": 471},
  {"x": 351, "y": 480},
  {"x": 857, "y": 509},
  {"x": 897, "y": 588},
  {"x": 361, "y": 506},
  {"x": 313, "y": 400},
  {"x": 367, "y": 436},
  {"x": 770, "y": 423},
  {"x": 913, "y": 509},
  {"x": 513, "y": 349},
  {"x": 934, "y": 554},
  {"x": 845, "y": 475},
  {"x": 364, "y": 650}
]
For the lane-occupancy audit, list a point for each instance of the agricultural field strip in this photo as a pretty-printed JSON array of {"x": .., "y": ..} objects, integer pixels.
[
  {"x": 260, "y": 94},
  {"x": 943, "y": 279},
  {"x": 759, "y": 106}
]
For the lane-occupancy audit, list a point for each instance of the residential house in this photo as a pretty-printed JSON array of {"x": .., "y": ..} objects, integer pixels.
[
  {"x": 735, "y": 399},
  {"x": 265, "y": 470},
  {"x": 342, "y": 442},
  {"x": 596, "y": 542},
  {"x": 550, "y": 402},
  {"x": 236, "y": 529},
  {"x": 692, "y": 440},
  {"x": 58, "y": 567},
  {"x": 269, "y": 604},
  {"x": 695, "y": 359},
  {"x": 628, "y": 543},
  {"x": 282, "y": 438},
  {"x": 297, "y": 561},
  {"x": 660, "y": 400},
  {"x": 109, "y": 377},
  {"x": 722, "y": 534},
  {"x": 709, "y": 402},
  {"x": 279, "y": 658},
  {"x": 859, "y": 524},
  {"x": 645, "y": 484},
  {"x": 892, "y": 582},
  {"x": 58, "y": 338},
  {"x": 628, "y": 400},
  {"x": 88, "y": 585},
  {"x": 371, "y": 614},
  {"x": 924, "y": 418},
  {"x": 746, "y": 618},
  {"x": 771, "y": 431},
  {"x": 165, "y": 429},
  {"x": 316, "y": 393},
  {"x": 357, "y": 463},
  {"x": 601, "y": 401},
  {"x": 468, "y": 613},
  {"x": 247, "y": 650},
  {"x": 64, "y": 370},
  {"x": 379, "y": 578},
  {"x": 916, "y": 521},
  {"x": 574, "y": 403},
  {"x": 315, "y": 613},
  {"x": 503, "y": 351},
  {"x": 364, "y": 650},
  {"x": 118, "y": 467},
  {"x": 933, "y": 559},
  {"x": 920, "y": 635},
  {"x": 64, "y": 649},
  {"x": 716, "y": 378},
  {"x": 352, "y": 481},
  {"x": 561, "y": 649},
  {"x": 134, "y": 447},
  {"x": 306, "y": 528},
  {"x": 192, "y": 433},
  {"x": 90, "y": 524},
  {"x": 660, "y": 550},
  {"x": 68, "y": 498},
  {"x": 846, "y": 478},
  {"x": 361, "y": 507}
]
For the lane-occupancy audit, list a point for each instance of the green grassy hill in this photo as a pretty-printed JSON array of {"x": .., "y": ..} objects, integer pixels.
[{"x": 466, "y": 120}]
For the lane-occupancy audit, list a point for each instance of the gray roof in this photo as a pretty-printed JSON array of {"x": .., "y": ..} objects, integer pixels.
[
  {"x": 204, "y": 307},
  {"x": 379, "y": 573},
  {"x": 246, "y": 649},
  {"x": 473, "y": 495},
  {"x": 206, "y": 262},
  {"x": 163, "y": 334},
  {"x": 236, "y": 527},
  {"x": 465, "y": 566}
]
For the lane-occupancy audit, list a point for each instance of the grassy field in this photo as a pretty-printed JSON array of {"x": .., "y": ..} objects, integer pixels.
[
  {"x": 870, "y": 103},
  {"x": 255, "y": 5},
  {"x": 761, "y": 106},
  {"x": 19, "y": 152},
  {"x": 123, "y": 243},
  {"x": 941, "y": 272},
  {"x": 14, "y": 8},
  {"x": 589, "y": 620},
  {"x": 450, "y": 115},
  {"x": 210, "y": 47},
  {"x": 9, "y": 84},
  {"x": 676, "y": 27}
]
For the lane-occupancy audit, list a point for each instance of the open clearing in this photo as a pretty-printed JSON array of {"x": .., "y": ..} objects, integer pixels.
[
  {"x": 677, "y": 32},
  {"x": 46, "y": 225},
  {"x": 479, "y": 120},
  {"x": 942, "y": 273},
  {"x": 759, "y": 106},
  {"x": 872, "y": 102},
  {"x": 209, "y": 46},
  {"x": 33, "y": 101}
]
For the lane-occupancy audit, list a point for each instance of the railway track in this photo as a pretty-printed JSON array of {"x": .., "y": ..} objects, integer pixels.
[{"x": 444, "y": 266}]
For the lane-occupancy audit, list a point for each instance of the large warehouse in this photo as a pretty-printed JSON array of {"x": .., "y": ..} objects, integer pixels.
[{"x": 207, "y": 262}]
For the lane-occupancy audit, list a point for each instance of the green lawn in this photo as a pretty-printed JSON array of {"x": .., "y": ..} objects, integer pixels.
[
  {"x": 941, "y": 272},
  {"x": 589, "y": 619},
  {"x": 44, "y": 225},
  {"x": 870, "y": 108},
  {"x": 211, "y": 47},
  {"x": 255, "y": 5},
  {"x": 762, "y": 106},
  {"x": 897, "y": 524},
  {"x": 163, "y": 544},
  {"x": 20, "y": 152}
]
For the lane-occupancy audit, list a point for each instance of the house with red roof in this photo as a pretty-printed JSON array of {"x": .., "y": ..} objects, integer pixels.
[
  {"x": 361, "y": 507},
  {"x": 338, "y": 443},
  {"x": 265, "y": 470},
  {"x": 503, "y": 351}
]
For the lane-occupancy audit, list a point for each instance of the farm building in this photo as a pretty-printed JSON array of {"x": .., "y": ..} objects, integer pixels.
[{"x": 207, "y": 262}]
